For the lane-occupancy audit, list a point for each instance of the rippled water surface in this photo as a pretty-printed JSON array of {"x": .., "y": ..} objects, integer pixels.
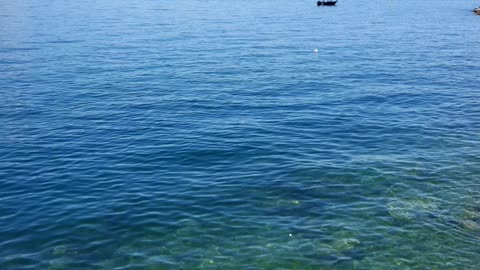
[{"x": 157, "y": 134}]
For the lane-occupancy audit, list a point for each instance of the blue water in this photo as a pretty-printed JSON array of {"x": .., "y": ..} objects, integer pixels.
[{"x": 194, "y": 134}]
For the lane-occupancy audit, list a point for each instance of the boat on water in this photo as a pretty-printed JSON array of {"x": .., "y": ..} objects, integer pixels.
[
  {"x": 326, "y": 3},
  {"x": 477, "y": 10}
]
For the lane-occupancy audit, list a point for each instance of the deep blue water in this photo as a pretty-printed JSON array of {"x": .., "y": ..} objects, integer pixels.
[{"x": 208, "y": 135}]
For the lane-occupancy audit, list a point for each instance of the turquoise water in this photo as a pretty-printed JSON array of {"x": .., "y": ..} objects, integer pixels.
[{"x": 208, "y": 135}]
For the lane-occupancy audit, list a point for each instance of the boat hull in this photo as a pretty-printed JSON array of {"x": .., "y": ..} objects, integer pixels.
[{"x": 326, "y": 3}]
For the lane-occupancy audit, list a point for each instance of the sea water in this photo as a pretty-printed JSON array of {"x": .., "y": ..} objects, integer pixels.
[{"x": 246, "y": 134}]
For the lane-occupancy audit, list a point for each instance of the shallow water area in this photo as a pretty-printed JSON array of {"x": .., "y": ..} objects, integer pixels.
[{"x": 210, "y": 135}]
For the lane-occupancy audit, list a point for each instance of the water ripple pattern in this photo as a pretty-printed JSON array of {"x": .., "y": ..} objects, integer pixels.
[{"x": 159, "y": 134}]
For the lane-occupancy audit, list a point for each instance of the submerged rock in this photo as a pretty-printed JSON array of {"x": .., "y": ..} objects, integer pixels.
[
  {"x": 408, "y": 209},
  {"x": 345, "y": 244},
  {"x": 58, "y": 264},
  {"x": 471, "y": 225},
  {"x": 471, "y": 214}
]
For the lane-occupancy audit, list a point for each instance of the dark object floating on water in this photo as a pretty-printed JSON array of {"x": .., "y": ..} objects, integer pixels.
[
  {"x": 326, "y": 3},
  {"x": 477, "y": 10}
]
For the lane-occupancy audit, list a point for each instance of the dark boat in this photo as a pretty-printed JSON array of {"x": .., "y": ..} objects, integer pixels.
[{"x": 326, "y": 3}]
